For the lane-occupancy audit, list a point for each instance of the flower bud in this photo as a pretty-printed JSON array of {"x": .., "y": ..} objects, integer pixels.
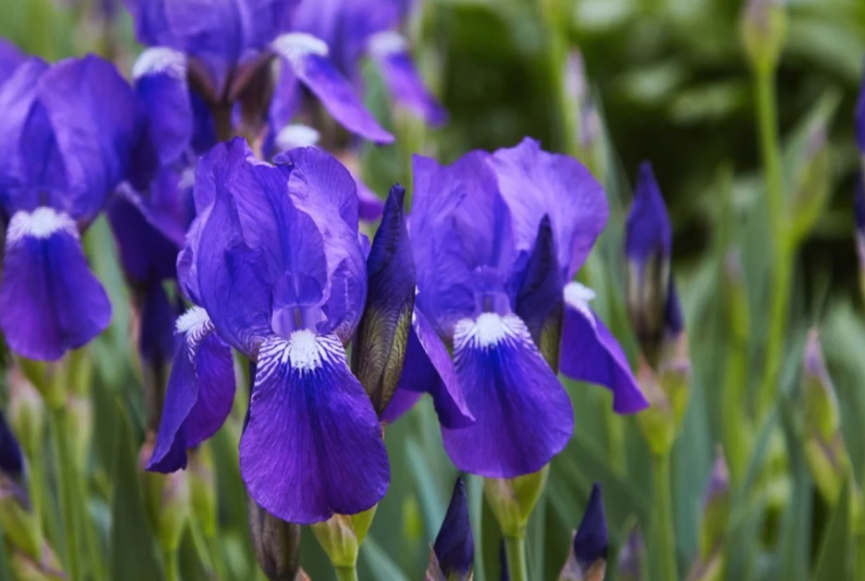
[
  {"x": 587, "y": 560},
  {"x": 763, "y": 29},
  {"x": 382, "y": 336},
  {"x": 716, "y": 507},
  {"x": 632, "y": 558},
  {"x": 648, "y": 242},
  {"x": 512, "y": 500},
  {"x": 26, "y": 412},
  {"x": 342, "y": 535},
  {"x": 824, "y": 446},
  {"x": 813, "y": 183},
  {"x": 453, "y": 554},
  {"x": 276, "y": 543},
  {"x": 203, "y": 488}
]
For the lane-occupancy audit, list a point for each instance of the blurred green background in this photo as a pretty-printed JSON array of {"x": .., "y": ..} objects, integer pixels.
[{"x": 673, "y": 86}]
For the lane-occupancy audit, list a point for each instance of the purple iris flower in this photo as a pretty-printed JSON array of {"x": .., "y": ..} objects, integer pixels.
[
  {"x": 355, "y": 29},
  {"x": 229, "y": 44},
  {"x": 274, "y": 259},
  {"x": 496, "y": 238},
  {"x": 65, "y": 138}
]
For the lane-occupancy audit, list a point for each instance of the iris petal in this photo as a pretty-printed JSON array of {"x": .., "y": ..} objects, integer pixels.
[
  {"x": 523, "y": 414},
  {"x": 313, "y": 446},
  {"x": 50, "y": 302},
  {"x": 591, "y": 353}
]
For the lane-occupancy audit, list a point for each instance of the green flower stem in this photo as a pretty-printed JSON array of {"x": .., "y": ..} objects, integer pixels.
[
  {"x": 346, "y": 573},
  {"x": 663, "y": 517},
  {"x": 66, "y": 481},
  {"x": 515, "y": 549},
  {"x": 767, "y": 115},
  {"x": 172, "y": 568}
]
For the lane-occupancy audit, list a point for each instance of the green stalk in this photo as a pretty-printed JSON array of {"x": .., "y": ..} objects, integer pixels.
[
  {"x": 346, "y": 573},
  {"x": 767, "y": 114},
  {"x": 172, "y": 569},
  {"x": 66, "y": 480},
  {"x": 515, "y": 550},
  {"x": 663, "y": 518}
]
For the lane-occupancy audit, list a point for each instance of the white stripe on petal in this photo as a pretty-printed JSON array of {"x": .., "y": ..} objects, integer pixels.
[
  {"x": 303, "y": 351},
  {"x": 296, "y": 135},
  {"x": 489, "y": 329},
  {"x": 294, "y": 46},
  {"x": 386, "y": 43},
  {"x": 578, "y": 296},
  {"x": 160, "y": 59},
  {"x": 43, "y": 222}
]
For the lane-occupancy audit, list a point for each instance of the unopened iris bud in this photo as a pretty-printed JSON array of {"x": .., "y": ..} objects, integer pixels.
[
  {"x": 587, "y": 560},
  {"x": 276, "y": 544},
  {"x": 382, "y": 336},
  {"x": 513, "y": 499},
  {"x": 824, "y": 446},
  {"x": 632, "y": 558},
  {"x": 26, "y": 412},
  {"x": 763, "y": 27},
  {"x": 648, "y": 243},
  {"x": 202, "y": 487},
  {"x": 813, "y": 183},
  {"x": 342, "y": 535},
  {"x": 453, "y": 554}
]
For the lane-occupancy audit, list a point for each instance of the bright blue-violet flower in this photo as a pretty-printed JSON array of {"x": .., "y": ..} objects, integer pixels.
[
  {"x": 453, "y": 552},
  {"x": 275, "y": 261},
  {"x": 230, "y": 46},
  {"x": 652, "y": 303},
  {"x": 496, "y": 239},
  {"x": 355, "y": 29},
  {"x": 65, "y": 138}
]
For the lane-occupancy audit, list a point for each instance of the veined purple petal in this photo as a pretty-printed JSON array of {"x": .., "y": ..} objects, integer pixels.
[
  {"x": 220, "y": 35},
  {"x": 647, "y": 232},
  {"x": 429, "y": 369},
  {"x": 93, "y": 113},
  {"x": 523, "y": 414},
  {"x": 535, "y": 183},
  {"x": 389, "y": 50},
  {"x": 313, "y": 445},
  {"x": 50, "y": 302},
  {"x": 200, "y": 392},
  {"x": 307, "y": 57},
  {"x": 10, "y": 58},
  {"x": 591, "y": 353},
  {"x": 163, "y": 91}
]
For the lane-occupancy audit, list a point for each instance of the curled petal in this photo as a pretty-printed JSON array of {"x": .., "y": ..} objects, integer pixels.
[
  {"x": 307, "y": 56},
  {"x": 523, "y": 414},
  {"x": 591, "y": 353},
  {"x": 429, "y": 369},
  {"x": 313, "y": 444},
  {"x": 389, "y": 50},
  {"x": 199, "y": 395},
  {"x": 50, "y": 302}
]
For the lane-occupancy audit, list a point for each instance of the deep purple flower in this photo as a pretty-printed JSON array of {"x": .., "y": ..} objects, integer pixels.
[
  {"x": 591, "y": 543},
  {"x": 275, "y": 260},
  {"x": 230, "y": 46},
  {"x": 65, "y": 138},
  {"x": 496, "y": 238},
  {"x": 355, "y": 29},
  {"x": 454, "y": 547}
]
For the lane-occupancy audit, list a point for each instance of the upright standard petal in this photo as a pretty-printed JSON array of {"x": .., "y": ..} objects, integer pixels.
[
  {"x": 200, "y": 392},
  {"x": 429, "y": 369},
  {"x": 523, "y": 414},
  {"x": 380, "y": 343},
  {"x": 389, "y": 50},
  {"x": 50, "y": 302},
  {"x": 313, "y": 445},
  {"x": 591, "y": 353},
  {"x": 535, "y": 183},
  {"x": 308, "y": 58}
]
